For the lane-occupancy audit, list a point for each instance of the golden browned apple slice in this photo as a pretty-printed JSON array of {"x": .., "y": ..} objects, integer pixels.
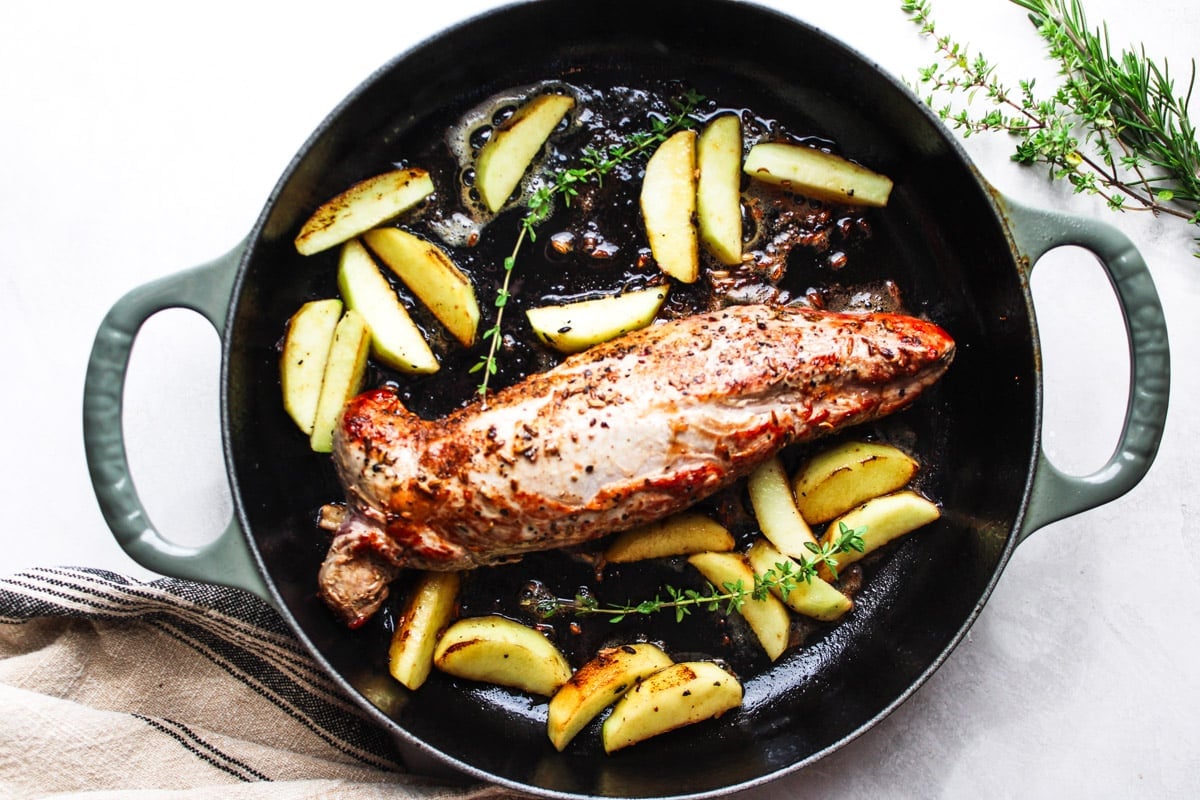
[
  {"x": 679, "y": 535},
  {"x": 718, "y": 190},
  {"x": 432, "y": 276},
  {"x": 495, "y": 649},
  {"x": 395, "y": 338},
  {"x": 675, "y": 696},
  {"x": 344, "y": 370},
  {"x": 842, "y": 477},
  {"x": 881, "y": 519},
  {"x": 512, "y": 147},
  {"x": 768, "y": 617},
  {"x": 428, "y": 610},
  {"x": 363, "y": 206},
  {"x": 668, "y": 201},
  {"x": 817, "y": 174},
  {"x": 305, "y": 351},
  {"x": 598, "y": 684},
  {"x": 572, "y": 327}
]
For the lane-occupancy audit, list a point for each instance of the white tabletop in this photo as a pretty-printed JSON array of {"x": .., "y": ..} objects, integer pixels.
[{"x": 140, "y": 140}]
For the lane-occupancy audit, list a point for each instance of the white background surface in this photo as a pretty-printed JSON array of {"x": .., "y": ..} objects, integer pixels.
[{"x": 136, "y": 141}]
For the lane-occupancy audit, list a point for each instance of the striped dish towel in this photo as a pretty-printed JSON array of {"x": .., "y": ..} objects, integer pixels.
[{"x": 112, "y": 687}]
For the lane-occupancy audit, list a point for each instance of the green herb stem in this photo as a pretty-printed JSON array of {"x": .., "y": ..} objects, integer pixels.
[
  {"x": 1114, "y": 128},
  {"x": 785, "y": 577},
  {"x": 596, "y": 165}
]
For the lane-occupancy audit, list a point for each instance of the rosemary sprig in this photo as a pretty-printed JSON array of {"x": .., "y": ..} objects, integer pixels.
[
  {"x": 731, "y": 596},
  {"x": 596, "y": 164},
  {"x": 1114, "y": 128}
]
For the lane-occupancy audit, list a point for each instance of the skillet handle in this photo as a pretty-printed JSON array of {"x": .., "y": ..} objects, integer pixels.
[
  {"x": 227, "y": 560},
  {"x": 1055, "y": 494}
]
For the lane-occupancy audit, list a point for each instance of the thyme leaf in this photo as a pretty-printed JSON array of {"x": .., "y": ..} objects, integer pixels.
[
  {"x": 730, "y": 597},
  {"x": 1115, "y": 127}
]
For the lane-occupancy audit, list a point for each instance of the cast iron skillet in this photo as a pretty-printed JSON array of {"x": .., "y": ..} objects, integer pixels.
[{"x": 961, "y": 253}]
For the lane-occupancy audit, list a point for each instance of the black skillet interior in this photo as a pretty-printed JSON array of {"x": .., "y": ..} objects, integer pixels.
[{"x": 940, "y": 240}]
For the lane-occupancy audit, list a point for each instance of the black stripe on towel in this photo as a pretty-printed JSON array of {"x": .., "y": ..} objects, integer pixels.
[{"x": 233, "y": 629}]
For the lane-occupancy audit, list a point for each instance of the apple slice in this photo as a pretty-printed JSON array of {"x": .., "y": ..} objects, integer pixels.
[
  {"x": 428, "y": 610},
  {"x": 573, "y": 327},
  {"x": 768, "y": 618},
  {"x": 814, "y": 597},
  {"x": 678, "y": 535},
  {"x": 817, "y": 174},
  {"x": 718, "y": 188},
  {"x": 675, "y": 696},
  {"x": 305, "y": 351},
  {"x": 495, "y": 649},
  {"x": 363, "y": 206},
  {"x": 884, "y": 519},
  {"x": 847, "y": 475},
  {"x": 668, "y": 202},
  {"x": 395, "y": 338},
  {"x": 432, "y": 276},
  {"x": 512, "y": 147},
  {"x": 596, "y": 685},
  {"x": 343, "y": 377},
  {"x": 775, "y": 509}
]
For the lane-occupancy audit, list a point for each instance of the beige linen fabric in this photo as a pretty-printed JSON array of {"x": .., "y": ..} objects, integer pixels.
[{"x": 114, "y": 688}]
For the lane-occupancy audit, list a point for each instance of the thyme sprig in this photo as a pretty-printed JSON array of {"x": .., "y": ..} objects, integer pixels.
[
  {"x": 595, "y": 165},
  {"x": 1114, "y": 127},
  {"x": 731, "y": 596}
]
